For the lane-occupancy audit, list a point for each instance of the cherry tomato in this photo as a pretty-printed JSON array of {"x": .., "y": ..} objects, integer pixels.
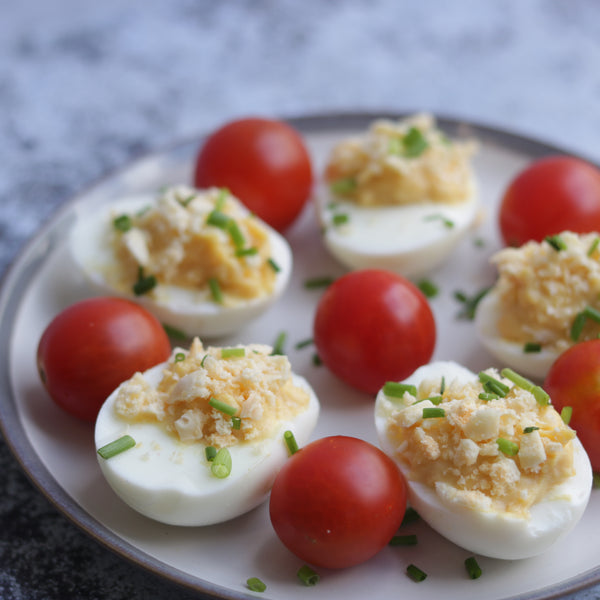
[
  {"x": 373, "y": 326},
  {"x": 554, "y": 194},
  {"x": 92, "y": 346},
  {"x": 337, "y": 502},
  {"x": 574, "y": 380},
  {"x": 264, "y": 163}
]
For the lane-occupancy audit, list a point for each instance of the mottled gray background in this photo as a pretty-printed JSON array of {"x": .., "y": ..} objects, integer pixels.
[{"x": 86, "y": 86}]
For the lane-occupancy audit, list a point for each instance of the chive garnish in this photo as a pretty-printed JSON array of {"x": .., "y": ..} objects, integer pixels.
[
  {"x": 433, "y": 412},
  {"x": 221, "y": 199},
  {"x": 218, "y": 219},
  {"x": 410, "y": 516},
  {"x": 273, "y": 265},
  {"x": 236, "y": 422},
  {"x": 396, "y": 390},
  {"x": 415, "y": 573},
  {"x": 340, "y": 219},
  {"x": 532, "y": 347},
  {"x": 278, "y": 347},
  {"x": 596, "y": 480},
  {"x": 316, "y": 360},
  {"x": 530, "y": 429},
  {"x": 215, "y": 290},
  {"x": 428, "y": 288},
  {"x": 593, "y": 246},
  {"x": 254, "y": 584},
  {"x": 203, "y": 359},
  {"x": 237, "y": 237},
  {"x": 119, "y": 445},
  {"x": 290, "y": 441},
  {"x": 414, "y": 143},
  {"x": 144, "y": 283},
  {"x": 540, "y": 395},
  {"x": 587, "y": 313},
  {"x": 345, "y": 185},
  {"x": 448, "y": 223},
  {"x": 123, "y": 223},
  {"x": 233, "y": 352},
  {"x": 185, "y": 201},
  {"x": 443, "y": 385},
  {"x": 174, "y": 333},
  {"x": 507, "y": 446},
  {"x": 221, "y": 464},
  {"x": 492, "y": 386},
  {"x": 318, "y": 282},
  {"x": 487, "y": 396},
  {"x": 210, "y": 452},
  {"x": 469, "y": 303},
  {"x": 222, "y": 406},
  {"x": 307, "y": 575},
  {"x": 403, "y": 540},
  {"x": 434, "y": 400},
  {"x": 179, "y": 357},
  {"x": 304, "y": 343},
  {"x": 473, "y": 569},
  {"x": 246, "y": 251},
  {"x": 566, "y": 413},
  {"x": 556, "y": 242}
]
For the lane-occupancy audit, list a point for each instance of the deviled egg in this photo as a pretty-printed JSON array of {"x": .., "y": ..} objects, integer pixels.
[
  {"x": 546, "y": 298},
  {"x": 399, "y": 197},
  {"x": 204, "y": 432},
  {"x": 490, "y": 464},
  {"x": 198, "y": 260}
]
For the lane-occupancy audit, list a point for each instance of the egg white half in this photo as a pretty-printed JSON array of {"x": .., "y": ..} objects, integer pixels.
[
  {"x": 492, "y": 534},
  {"x": 411, "y": 240},
  {"x": 189, "y": 311},
  {"x": 170, "y": 481},
  {"x": 511, "y": 354}
]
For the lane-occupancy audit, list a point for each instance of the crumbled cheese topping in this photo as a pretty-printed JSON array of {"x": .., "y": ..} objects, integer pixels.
[
  {"x": 402, "y": 162},
  {"x": 258, "y": 386},
  {"x": 541, "y": 290},
  {"x": 459, "y": 456},
  {"x": 174, "y": 241}
]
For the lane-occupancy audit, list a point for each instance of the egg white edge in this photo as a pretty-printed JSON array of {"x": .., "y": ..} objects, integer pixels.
[
  {"x": 182, "y": 503},
  {"x": 507, "y": 537},
  {"x": 206, "y": 318}
]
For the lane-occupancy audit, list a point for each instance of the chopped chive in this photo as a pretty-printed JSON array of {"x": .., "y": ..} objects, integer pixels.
[
  {"x": 290, "y": 441},
  {"x": 592, "y": 313},
  {"x": 236, "y": 422},
  {"x": 345, "y": 185},
  {"x": 530, "y": 429},
  {"x": 473, "y": 569},
  {"x": 532, "y": 347},
  {"x": 179, "y": 356},
  {"x": 304, "y": 343},
  {"x": 434, "y": 400},
  {"x": 596, "y": 481},
  {"x": 316, "y": 360},
  {"x": 487, "y": 396},
  {"x": 254, "y": 584},
  {"x": 540, "y": 395},
  {"x": 395, "y": 146},
  {"x": 479, "y": 242},
  {"x": 410, "y": 516},
  {"x": 307, "y": 576},
  {"x": 218, "y": 219},
  {"x": 340, "y": 219},
  {"x": 221, "y": 199},
  {"x": 594, "y": 246},
  {"x": 507, "y": 446},
  {"x": 566, "y": 413},
  {"x": 246, "y": 251},
  {"x": 273, "y": 265},
  {"x": 222, "y": 406},
  {"x": 469, "y": 303},
  {"x": 433, "y": 413},
  {"x": 492, "y": 385},
  {"x": 144, "y": 283},
  {"x": 556, "y": 242},
  {"x": 448, "y": 223},
  {"x": 403, "y": 540},
  {"x": 237, "y": 237},
  {"x": 215, "y": 290},
  {"x": 221, "y": 464},
  {"x": 233, "y": 352},
  {"x": 577, "y": 326},
  {"x": 174, "y": 333},
  {"x": 443, "y": 385},
  {"x": 185, "y": 201},
  {"x": 123, "y": 223},
  {"x": 396, "y": 390},
  {"x": 279, "y": 346},
  {"x": 428, "y": 288},
  {"x": 318, "y": 282},
  {"x": 415, "y": 573},
  {"x": 119, "y": 445},
  {"x": 414, "y": 143},
  {"x": 210, "y": 452},
  {"x": 203, "y": 359}
]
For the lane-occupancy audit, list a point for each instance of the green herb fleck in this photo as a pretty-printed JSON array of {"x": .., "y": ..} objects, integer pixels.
[
  {"x": 428, "y": 288},
  {"x": 123, "y": 223}
]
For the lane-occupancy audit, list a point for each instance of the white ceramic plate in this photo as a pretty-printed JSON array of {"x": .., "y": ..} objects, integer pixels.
[{"x": 57, "y": 452}]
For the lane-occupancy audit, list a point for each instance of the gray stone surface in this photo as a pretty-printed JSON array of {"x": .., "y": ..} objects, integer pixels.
[{"x": 86, "y": 86}]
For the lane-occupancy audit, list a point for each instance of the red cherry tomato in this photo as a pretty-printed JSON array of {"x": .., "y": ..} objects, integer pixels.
[
  {"x": 264, "y": 163},
  {"x": 574, "y": 380},
  {"x": 337, "y": 502},
  {"x": 554, "y": 194},
  {"x": 92, "y": 346},
  {"x": 373, "y": 326}
]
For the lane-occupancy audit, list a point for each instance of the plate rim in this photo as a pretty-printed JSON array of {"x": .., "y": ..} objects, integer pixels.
[{"x": 25, "y": 263}]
